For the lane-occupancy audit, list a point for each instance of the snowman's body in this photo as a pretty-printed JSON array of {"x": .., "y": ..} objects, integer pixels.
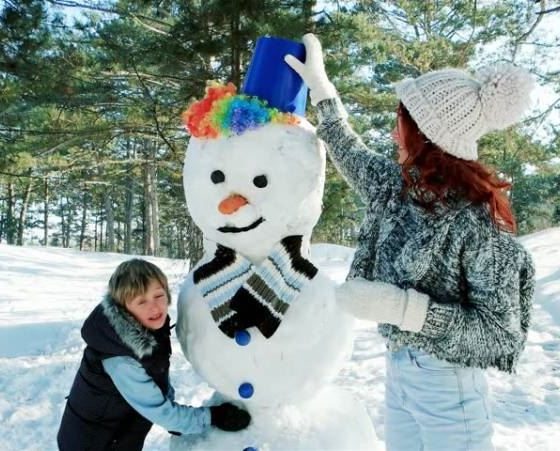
[
  {"x": 273, "y": 366},
  {"x": 292, "y": 404}
]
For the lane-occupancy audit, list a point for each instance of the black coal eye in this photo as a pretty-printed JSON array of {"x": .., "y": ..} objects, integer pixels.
[
  {"x": 217, "y": 176},
  {"x": 260, "y": 181}
]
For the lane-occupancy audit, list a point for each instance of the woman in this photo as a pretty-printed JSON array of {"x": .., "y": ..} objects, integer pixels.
[{"x": 436, "y": 263}]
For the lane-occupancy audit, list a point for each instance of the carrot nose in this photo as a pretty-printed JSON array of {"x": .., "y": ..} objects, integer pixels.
[{"x": 231, "y": 204}]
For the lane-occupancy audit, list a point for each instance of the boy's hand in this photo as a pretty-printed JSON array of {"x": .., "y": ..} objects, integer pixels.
[{"x": 229, "y": 417}]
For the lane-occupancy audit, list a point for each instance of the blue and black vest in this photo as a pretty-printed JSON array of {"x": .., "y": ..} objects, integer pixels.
[{"x": 97, "y": 417}]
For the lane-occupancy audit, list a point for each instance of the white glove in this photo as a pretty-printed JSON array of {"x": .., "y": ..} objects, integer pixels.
[
  {"x": 313, "y": 70},
  {"x": 384, "y": 303}
]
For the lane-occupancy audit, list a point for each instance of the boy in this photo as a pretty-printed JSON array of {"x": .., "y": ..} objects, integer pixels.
[{"x": 122, "y": 386}]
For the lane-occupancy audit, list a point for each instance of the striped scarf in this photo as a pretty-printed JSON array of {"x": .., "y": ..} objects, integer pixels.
[{"x": 241, "y": 295}]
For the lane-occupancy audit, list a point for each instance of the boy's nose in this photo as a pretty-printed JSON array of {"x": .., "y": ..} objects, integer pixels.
[{"x": 231, "y": 204}]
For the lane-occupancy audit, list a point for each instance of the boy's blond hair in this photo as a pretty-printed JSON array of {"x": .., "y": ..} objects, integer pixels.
[{"x": 132, "y": 278}]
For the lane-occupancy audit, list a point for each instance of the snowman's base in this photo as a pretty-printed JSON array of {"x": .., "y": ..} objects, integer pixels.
[{"x": 333, "y": 420}]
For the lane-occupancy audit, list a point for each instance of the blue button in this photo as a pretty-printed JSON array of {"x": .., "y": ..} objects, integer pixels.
[
  {"x": 242, "y": 337},
  {"x": 246, "y": 390},
  {"x": 250, "y": 448}
]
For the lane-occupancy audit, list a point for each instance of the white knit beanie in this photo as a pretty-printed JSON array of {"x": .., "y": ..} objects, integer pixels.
[{"x": 454, "y": 109}]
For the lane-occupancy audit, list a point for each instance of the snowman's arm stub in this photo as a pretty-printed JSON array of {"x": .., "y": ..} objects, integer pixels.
[{"x": 182, "y": 328}]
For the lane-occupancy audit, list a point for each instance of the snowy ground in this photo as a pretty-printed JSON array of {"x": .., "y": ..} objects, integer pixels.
[{"x": 47, "y": 293}]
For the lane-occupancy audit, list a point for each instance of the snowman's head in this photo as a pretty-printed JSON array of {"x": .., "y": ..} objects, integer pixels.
[{"x": 249, "y": 190}]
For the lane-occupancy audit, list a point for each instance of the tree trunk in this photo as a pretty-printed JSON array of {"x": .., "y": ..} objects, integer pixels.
[
  {"x": 128, "y": 207},
  {"x": 10, "y": 229},
  {"x": 62, "y": 223},
  {"x": 23, "y": 211},
  {"x": 148, "y": 237},
  {"x": 69, "y": 221},
  {"x": 180, "y": 242},
  {"x": 118, "y": 237},
  {"x": 2, "y": 217},
  {"x": 101, "y": 222},
  {"x": 307, "y": 9},
  {"x": 154, "y": 200},
  {"x": 128, "y": 204},
  {"x": 151, "y": 207},
  {"x": 143, "y": 218},
  {"x": 110, "y": 222},
  {"x": 46, "y": 212},
  {"x": 235, "y": 44},
  {"x": 95, "y": 234},
  {"x": 84, "y": 219},
  {"x": 194, "y": 249}
]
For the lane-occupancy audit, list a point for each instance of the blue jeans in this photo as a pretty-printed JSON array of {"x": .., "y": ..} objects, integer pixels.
[{"x": 432, "y": 404}]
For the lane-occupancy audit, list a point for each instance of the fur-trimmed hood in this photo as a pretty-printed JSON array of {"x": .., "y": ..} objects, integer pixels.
[{"x": 111, "y": 330}]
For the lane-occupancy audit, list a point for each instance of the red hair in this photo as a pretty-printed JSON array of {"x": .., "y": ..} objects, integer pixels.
[{"x": 431, "y": 174}]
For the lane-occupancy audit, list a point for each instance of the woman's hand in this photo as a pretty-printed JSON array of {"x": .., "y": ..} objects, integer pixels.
[
  {"x": 383, "y": 303},
  {"x": 313, "y": 70}
]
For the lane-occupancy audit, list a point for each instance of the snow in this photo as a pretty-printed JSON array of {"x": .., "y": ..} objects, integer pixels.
[{"x": 48, "y": 292}]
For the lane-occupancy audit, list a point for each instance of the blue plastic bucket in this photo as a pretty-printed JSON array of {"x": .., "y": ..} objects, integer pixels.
[{"x": 271, "y": 79}]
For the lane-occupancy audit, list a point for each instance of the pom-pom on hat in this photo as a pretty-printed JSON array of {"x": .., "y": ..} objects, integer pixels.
[
  {"x": 222, "y": 112},
  {"x": 454, "y": 109}
]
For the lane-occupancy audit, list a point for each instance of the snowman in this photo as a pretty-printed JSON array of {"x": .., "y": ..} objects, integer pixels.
[{"x": 256, "y": 318}]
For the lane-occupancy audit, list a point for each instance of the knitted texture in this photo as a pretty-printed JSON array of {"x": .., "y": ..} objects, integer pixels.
[
  {"x": 274, "y": 285},
  {"x": 454, "y": 109},
  {"x": 384, "y": 303},
  {"x": 218, "y": 281},
  {"x": 241, "y": 295},
  {"x": 480, "y": 281}
]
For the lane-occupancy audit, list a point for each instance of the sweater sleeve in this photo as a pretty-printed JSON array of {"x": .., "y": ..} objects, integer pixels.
[
  {"x": 370, "y": 174},
  {"x": 171, "y": 392},
  {"x": 141, "y": 392},
  {"x": 491, "y": 326}
]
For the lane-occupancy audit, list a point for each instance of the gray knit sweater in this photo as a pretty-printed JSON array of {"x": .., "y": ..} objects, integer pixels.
[{"x": 480, "y": 280}]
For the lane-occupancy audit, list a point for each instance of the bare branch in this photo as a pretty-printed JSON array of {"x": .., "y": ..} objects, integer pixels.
[
  {"x": 525, "y": 35},
  {"x": 69, "y": 142},
  {"x": 149, "y": 27},
  {"x": 21, "y": 175},
  {"x": 154, "y": 113},
  {"x": 556, "y": 8},
  {"x": 137, "y": 17},
  {"x": 152, "y": 78},
  {"x": 541, "y": 117},
  {"x": 73, "y": 4}
]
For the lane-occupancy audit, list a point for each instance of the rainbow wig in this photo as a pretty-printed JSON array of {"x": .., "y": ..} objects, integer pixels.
[{"x": 223, "y": 112}]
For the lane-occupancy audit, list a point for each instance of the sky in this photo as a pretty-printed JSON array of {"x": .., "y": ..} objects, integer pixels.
[{"x": 48, "y": 292}]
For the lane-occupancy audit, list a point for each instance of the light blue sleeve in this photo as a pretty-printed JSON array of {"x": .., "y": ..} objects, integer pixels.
[
  {"x": 141, "y": 392},
  {"x": 171, "y": 392}
]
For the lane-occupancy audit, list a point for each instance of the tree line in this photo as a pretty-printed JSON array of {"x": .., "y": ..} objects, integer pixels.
[{"x": 91, "y": 93}]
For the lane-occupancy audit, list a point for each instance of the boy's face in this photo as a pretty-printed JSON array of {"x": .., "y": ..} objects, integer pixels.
[{"x": 150, "y": 308}]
